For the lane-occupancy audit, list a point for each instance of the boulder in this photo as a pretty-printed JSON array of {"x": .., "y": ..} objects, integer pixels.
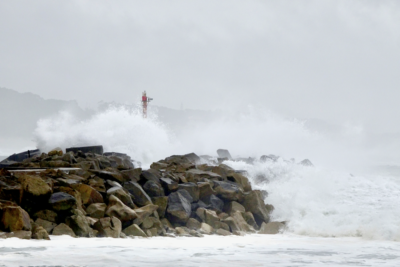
[
  {"x": 132, "y": 174},
  {"x": 158, "y": 166},
  {"x": 16, "y": 234},
  {"x": 14, "y": 218},
  {"x": 150, "y": 175},
  {"x": 153, "y": 189},
  {"x": 35, "y": 192},
  {"x": 179, "y": 207},
  {"x": 55, "y": 152},
  {"x": 134, "y": 230},
  {"x": 224, "y": 153},
  {"x": 162, "y": 203},
  {"x": 89, "y": 194},
  {"x": 271, "y": 228},
  {"x": 223, "y": 232},
  {"x": 205, "y": 191},
  {"x": 75, "y": 194},
  {"x": 61, "y": 201},
  {"x": 122, "y": 194},
  {"x": 200, "y": 212},
  {"x": 233, "y": 206},
  {"x": 211, "y": 218},
  {"x": 206, "y": 229},
  {"x": 98, "y": 184},
  {"x": 242, "y": 224},
  {"x": 249, "y": 218},
  {"x": 193, "y": 224},
  {"x": 108, "y": 227},
  {"x": 192, "y": 189},
  {"x": 228, "y": 191},
  {"x": 241, "y": 180},
  {"x": 47, "y": 215},
  {"x": 96, "y": 210},
  {"x": 144, "y": 212},
  {"x": 108, "y": 175},
  {"x": 195, "y": 175},
  {"x": 139, "y": 196},
  {"x": 79, "y": 224},
  {"x": 169, "y": 185},
  {"x": 120, "y": 210},
  {"x": 216, "y": 203},
  {"x": 38, "y": 232},
  {"x": 63, "y": 229},
  {"x": 254, "y": 203},
  {"x": 181, "y": 231},
  {"x": 47, "y": 225}
]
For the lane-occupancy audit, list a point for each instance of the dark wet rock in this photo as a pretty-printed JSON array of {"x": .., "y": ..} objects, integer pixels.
[
  {"x": 96, "y": 210},
  {"x": 150, "y": 175},
  {"x": 153, "y": 189},
  {"x": 118, "y": 209},
  {"x": 254, "y": 203},
  {"x": 205, "y": 191},
  {"x": 47, "y": 215},
  {"x": 249, "y": 218},
  {"x": 192, "y": 189},
  {"x": 134, "y": 230},
  {"x": 132, "y": 174},
  {"x": 228, "y": 191},
  {"x": 79, "y": 224},
  {"x": 47, "y": 225},
  {"x": 195, "y": 175},
  {"x": 233, "y": 206},
  {"x": 38, "y": 232},
  {"x": 158, "y": 166},
  {"x": 216, "y": 204},
  {"x": 88, "y": 194},
  {"x": 241, "y": 180},
  {"x": 162, "y": 203},
  {"x": 179, "y": 207},
  {"x": 61, "y": 201},
  {"x": 14, "y": 218},
  {"x": 110, "y": 175},
  {"x": 108, "y": 227},
  {"x": 169, "y": 185},
  {"x": 139, "y": 196},
  {"x": 122, "y": 194},
  {"x": 63, "y": 229},
  {"x": 35, "y": 192},
  {"x": 144, "y": 212},
  {"x": 193, "y": 224}
]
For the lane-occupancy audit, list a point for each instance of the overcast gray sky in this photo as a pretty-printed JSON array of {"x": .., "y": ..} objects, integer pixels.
[{"x": 335, "y": 60}]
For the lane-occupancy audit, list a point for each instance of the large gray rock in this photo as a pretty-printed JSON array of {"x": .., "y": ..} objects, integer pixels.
[
  {"x": 254, "y": 203},
  {"x": 47, "y": 215},
  {"x": 108, "y": 227},
  {"x": 122, "y": 194},
  {"x": 144, "y": 212},
  {"x": 61, "y": 201},
  {"x": 192, "y": 189},
  {"x": 224, "y": 153},
  {"x": 150, "y": 175},
  {"x": 179, "y": 207},
  {"x": 162, "y": 203},
  {"x": 48, "y": 226},
  {"x": 271, "y": 228},
  {"x": 134, "y": 230},
  {"x": 120, "y": 210},
  {"x": 96, "y": 210},
  {"x": 169, "y": 185},
  {"x": 205, "y": 191},
  {"x": 216, "y": 204},
  {"x": 233, "y": 206},
  {"x": 38, "y": 232},
  {"x": 153, "y": 189},
  {"x": 132, "y": 174},
  {"x": 63, "y": 229},
  {"x": 228, "y": 191},
  {"x": 14, "y": 218},
  {"x": 195, "y": 175},
  {"x": 139, "y": 196},
  {"x": 79, "y": 225},
  {"x": 240, "y": 179}
]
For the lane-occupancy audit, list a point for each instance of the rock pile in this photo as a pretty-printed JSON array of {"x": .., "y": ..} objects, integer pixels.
[{"x": 106, "y": 196}]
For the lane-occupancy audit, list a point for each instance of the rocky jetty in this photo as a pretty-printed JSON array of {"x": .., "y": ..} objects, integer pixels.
[{"x": 104, "y": 195}]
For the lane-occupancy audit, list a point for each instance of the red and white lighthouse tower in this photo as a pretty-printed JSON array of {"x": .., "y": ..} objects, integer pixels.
[{"x": 145, "y": 100}]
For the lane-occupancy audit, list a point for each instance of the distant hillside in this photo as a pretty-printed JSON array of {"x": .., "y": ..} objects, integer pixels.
[{"x": 19, "y": 112}]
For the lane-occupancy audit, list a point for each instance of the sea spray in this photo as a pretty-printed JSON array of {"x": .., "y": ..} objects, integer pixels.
[{"x": 317, "y": 202}]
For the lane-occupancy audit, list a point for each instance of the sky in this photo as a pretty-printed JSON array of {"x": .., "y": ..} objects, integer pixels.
[{"x": 331, "y": 60}]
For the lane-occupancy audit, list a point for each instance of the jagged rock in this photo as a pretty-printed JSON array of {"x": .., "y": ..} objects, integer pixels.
[
  {"x": 144, "y": 212},
  {"x": 223, "y": 215},
  {"x": 234, "y": 227},
  {"x": 254, "y": 203},
  {"x": 134, "y": 230},
  {"x": 228, "y": 191},
  {"x": 148, "y": 223},
  {"x": 271, "y": 228},
  {"x": 69, "y": 157},
  {"x": 16, "y": 234},
  {"x": 63, "y": 229},
  {"x": 216, "y": 203},
  {"x": 108, "y": 227},
  {"x": 205, "y": 191},
  {"x": 192, "y": 189},
  {"x": 150, "y": 175},
  {"x": 179, "y": 206},
  {"x": 38, "y": 232},
  {"x": 249, "y": 218},
  {"x": 108, "y": 175},
  {"x": 195, "y": 175},
  {"x": 151, "y": 232},
  {"x": 139, "y": 196},
  {"x": 34, "y": 192},
  {"x": 241, "y": 180},
  {"x": 153, "y": 189},
  {"x": 79, "y": 225},
  {"x": 233, "y": 206},
  {"x": 223, "y": 232},
  {"x": 195, "y": 206},
  {"x": 61, "y": 201},
  {"x": 122, "y": 195},
  {"x": 75, "y": 194},
  {"x": 169, "y": 185},
  {"x": 47, "y": 215},
  {"x": 88, "y": 194},
  {"x": 14, "y": 218},
  {"x": 132, "y": 174},
  {"x": 166, "y": 224},
  {"x": 96, "y": 210},
  {"x": 180, "y": 231},
  {"x": 158, "y": 166},
  {"x": 91, "y": 221},
  {"x": 206, "y": 229},
  {"x": 162, "y": 203},
  {"x": 98, "y": 184},
  {"x": 211, "y": 218},
  {"x": 270, "y": 208},
  {"x": 55, "y": 152},
  {"x": 200, "y": 212},
  {"x": 222, "y": 225},
  {"x": 47, "y": 225},
  {"x": 224, "y": 153},
  {"x": 120, "y": 210},
  {"x": 193, "y": 224},
  {"x": 243, "y": 226},
  {"x": 113, "y": 183}
]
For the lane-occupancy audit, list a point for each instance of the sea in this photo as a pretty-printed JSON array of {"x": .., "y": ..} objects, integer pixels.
[{"x": 341, "y": 211}]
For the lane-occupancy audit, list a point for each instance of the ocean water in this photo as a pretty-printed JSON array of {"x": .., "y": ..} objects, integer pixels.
[{"x": 341, "y": 212}]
